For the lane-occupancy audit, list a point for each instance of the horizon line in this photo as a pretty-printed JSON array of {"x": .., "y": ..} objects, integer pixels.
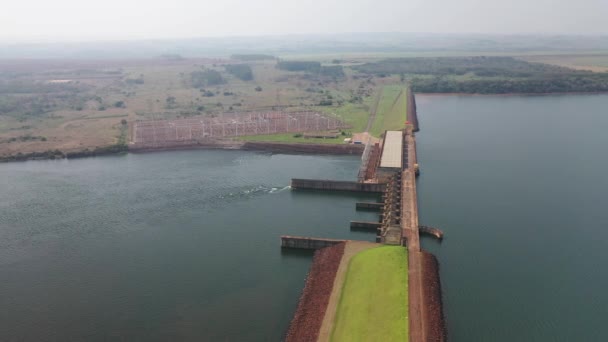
[{"x": 83, "y": 40}]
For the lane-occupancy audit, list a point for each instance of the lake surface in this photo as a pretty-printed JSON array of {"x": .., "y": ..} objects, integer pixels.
[
  {"x": 184, "y": 246},
  {"x": 175, "y": 246},
  {"x": 519, "y": 186}
]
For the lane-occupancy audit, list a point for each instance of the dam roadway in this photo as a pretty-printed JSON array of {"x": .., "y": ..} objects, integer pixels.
[{"x": 411, "y": 238}]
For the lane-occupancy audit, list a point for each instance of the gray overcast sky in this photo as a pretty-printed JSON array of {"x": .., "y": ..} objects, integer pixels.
[{"x": 56, "y": 20}]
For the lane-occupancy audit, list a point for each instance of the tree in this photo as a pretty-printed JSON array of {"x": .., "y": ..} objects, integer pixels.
[
  {"x": 313, "y": 67},
  {"x": 241, "y": 71},
  {"x": 205, "y": 78},
  {"x": 171, "y": 102}
]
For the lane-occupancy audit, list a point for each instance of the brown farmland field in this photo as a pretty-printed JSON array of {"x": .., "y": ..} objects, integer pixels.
[
  {"x": 591, "y": 62},
  {"x": 73, "y": 105}
]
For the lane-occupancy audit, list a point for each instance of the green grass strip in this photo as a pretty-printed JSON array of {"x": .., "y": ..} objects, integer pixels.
[
  {"x": 374, "y": 301},
  {"x": 392, "y": 110}
]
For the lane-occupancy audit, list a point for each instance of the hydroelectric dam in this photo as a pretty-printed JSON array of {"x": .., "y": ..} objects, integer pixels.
[{"x": 390, "y": 168}]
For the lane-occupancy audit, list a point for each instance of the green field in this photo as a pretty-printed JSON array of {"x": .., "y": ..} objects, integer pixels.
[
  {"x": 391, "y": 111},
  {"x": 374, "y": 301},
  {"x": 355, "y": 115}
]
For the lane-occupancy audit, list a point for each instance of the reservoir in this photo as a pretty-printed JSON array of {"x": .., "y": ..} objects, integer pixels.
[
  {"x": 170, "y": 246},
  {"x": 184, "y": 246},
  {"x": 518, "y": 184}
]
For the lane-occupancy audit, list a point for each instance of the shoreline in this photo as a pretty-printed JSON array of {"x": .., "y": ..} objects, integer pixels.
[{"x": 272, "y": 147}]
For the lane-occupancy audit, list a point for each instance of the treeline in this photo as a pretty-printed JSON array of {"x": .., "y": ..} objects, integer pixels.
[
  {"x": 478, "y": 66},
  {"x": 205, "y": 78},
  {"x": 57, "y": 154},
  {"x": 240, "y": 71},
  {"x": 487, "y": 75},
  {"x": 27, "y": 137},
  {"x": 132, "y": 81},
  {"x": 556, "y": 84},
  {"x": 21, "y": 105},
  {"x": 252, "y": 57},
  {"x": 335, "y": 71},
  {"x": 33, "y": 87},
  {"x": 299, "y": 66}
]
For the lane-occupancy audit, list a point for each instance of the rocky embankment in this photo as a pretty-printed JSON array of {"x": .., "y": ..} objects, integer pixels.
[
  {"x": 434, "y": 319},
  {"x": 307, "y": 320}
]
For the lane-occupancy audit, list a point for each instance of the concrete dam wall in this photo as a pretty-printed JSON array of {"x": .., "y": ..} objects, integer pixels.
[{"x": 330, "y": 185}]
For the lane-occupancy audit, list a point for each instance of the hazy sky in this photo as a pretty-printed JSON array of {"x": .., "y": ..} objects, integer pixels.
[{"x": 125, "y": 19}]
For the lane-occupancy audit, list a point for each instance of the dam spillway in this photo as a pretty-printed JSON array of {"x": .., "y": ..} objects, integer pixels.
[{"x": 331, "y": 185}]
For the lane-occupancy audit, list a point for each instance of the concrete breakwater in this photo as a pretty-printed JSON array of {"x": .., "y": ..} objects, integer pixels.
[
  {"x": 362, "y": 225},
  {"x": 353, "y": 149},
  {"x": 187, "y": 145},
  {"x": 371, "y": 206},
  {"x": 307, "y": 242},
  {"x": 431, "y": 231},
  {"x": 330, "y": 185},
  {"x": 227, "y": 144}
]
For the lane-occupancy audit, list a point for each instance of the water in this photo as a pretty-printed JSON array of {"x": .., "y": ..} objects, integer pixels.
[
  {"x": 176, "y": 246},
  {"x": 519, "y": 186},
  {"x": 183, "y": 246}
]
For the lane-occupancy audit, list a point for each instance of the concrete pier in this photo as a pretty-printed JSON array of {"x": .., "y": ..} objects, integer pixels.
[
  {"x": 431, "y": 231},
  {"x": 365, "y": 225},
  {"x": 331, "y": 185},
  {"x": 307, "y": 242},
  {"x": 369, "y": 206}
]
